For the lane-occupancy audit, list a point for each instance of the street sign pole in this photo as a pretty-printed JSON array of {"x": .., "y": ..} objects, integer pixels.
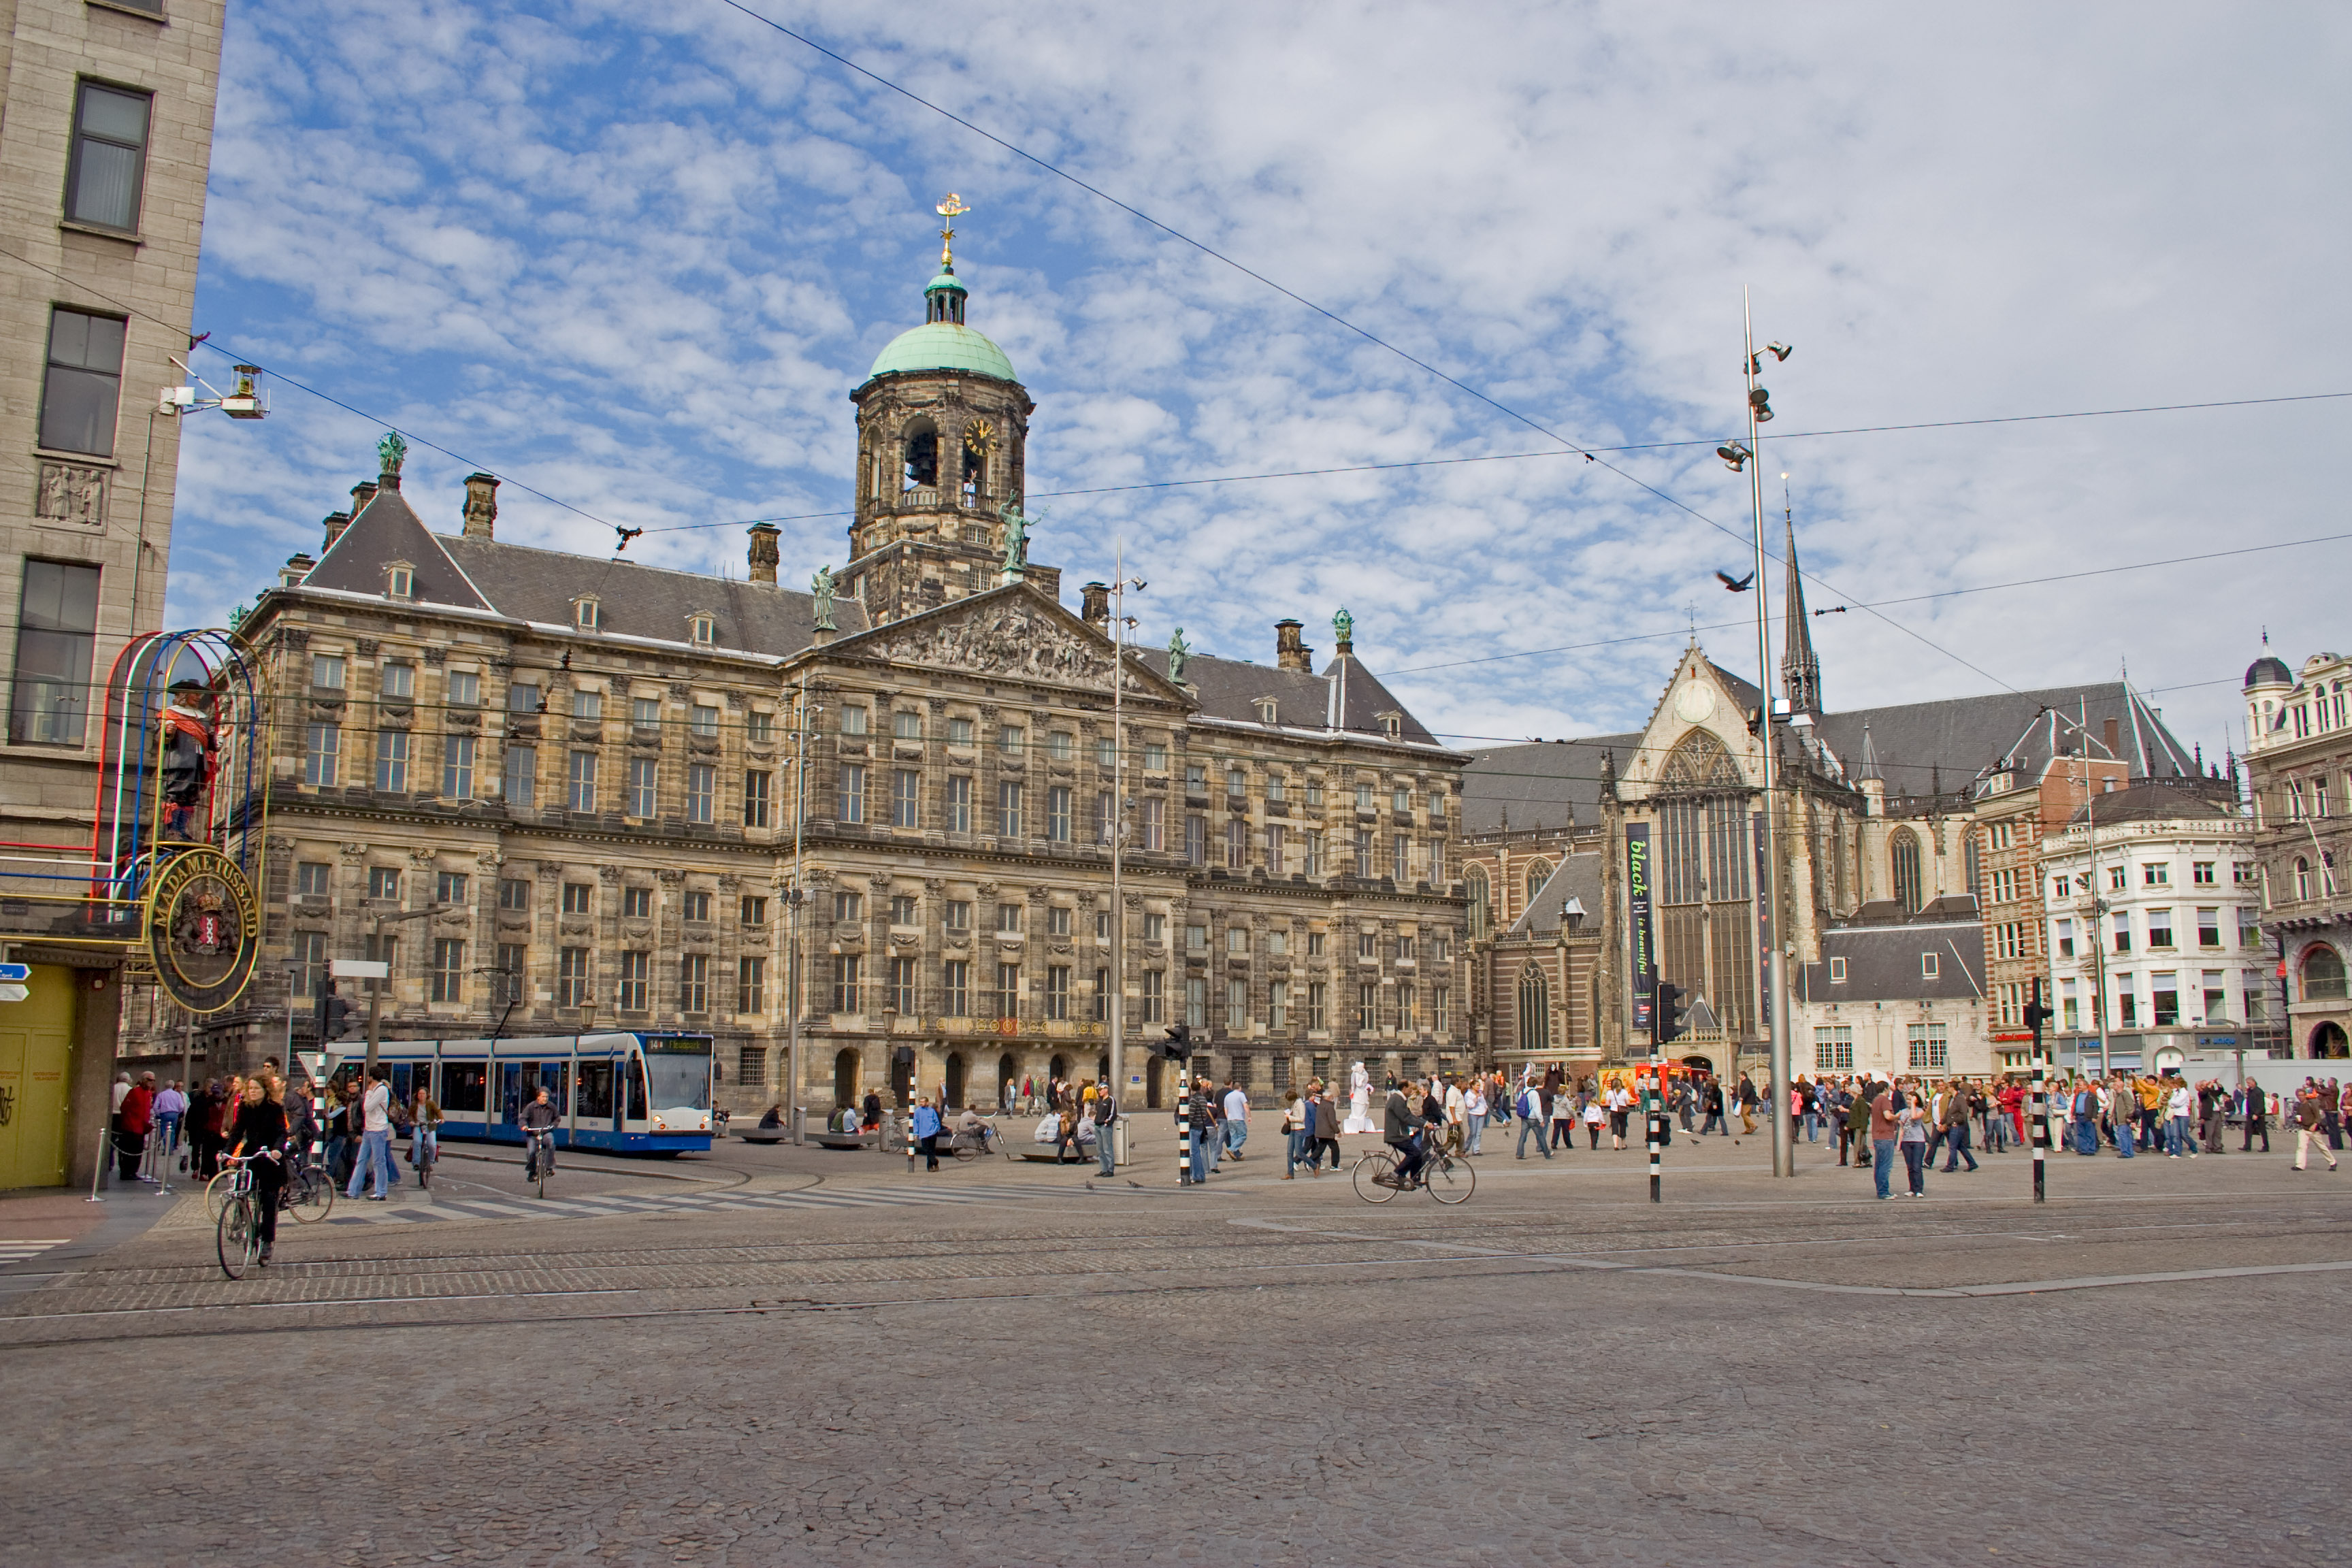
[{"x": 2035, "y": 1015}]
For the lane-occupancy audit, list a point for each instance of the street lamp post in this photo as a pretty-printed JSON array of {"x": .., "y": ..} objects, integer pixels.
[
  {"x": 1774, "y": 988},
  {"x": 1121, "y": 627},
  {"x": 375, "y": 987}
]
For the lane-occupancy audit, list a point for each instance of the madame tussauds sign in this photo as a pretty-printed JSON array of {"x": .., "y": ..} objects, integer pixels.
[{"x": 203, "y": 930}]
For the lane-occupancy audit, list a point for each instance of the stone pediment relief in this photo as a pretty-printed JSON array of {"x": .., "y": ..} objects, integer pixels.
[{"x": 1010, "y": 636}]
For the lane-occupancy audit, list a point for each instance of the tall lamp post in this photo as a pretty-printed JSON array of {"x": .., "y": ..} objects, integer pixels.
[
  {"x": 376, "y": 987},
  {"x": 1121, "y": 626},
  {"x": 1774, "y": 989}
]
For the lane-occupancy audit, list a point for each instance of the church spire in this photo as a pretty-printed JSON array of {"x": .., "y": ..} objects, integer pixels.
[{"x": 1801, "y": 671}]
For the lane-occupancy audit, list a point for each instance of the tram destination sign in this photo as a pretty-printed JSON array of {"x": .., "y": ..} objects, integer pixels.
[{"x": 679, "y": 1044}]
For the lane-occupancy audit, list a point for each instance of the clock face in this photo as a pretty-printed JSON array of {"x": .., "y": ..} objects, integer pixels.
[{"x": 1694, "y": 702}]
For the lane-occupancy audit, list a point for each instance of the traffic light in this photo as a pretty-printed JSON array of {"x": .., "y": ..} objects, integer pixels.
[
  {"x": 334, "y": 1015},
  {"x": 1177, "y": 1045},
  {"x": 2036, "y": 1014},
  {"x": 1669, "y": 1014}
]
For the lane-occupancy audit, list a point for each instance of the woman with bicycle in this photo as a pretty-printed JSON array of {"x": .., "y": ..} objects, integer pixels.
[
  {"x": 260, "y": 1127},
  {"x": 425, "y": 1143}
]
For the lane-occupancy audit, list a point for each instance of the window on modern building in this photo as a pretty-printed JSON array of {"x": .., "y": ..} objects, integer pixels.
[
  {"x": 2155, "y": 874},
  {"x": 955, "y": 987},
  {"x": 637, "y": 903},
  {"x": 2203, "y": 874},
  {"x": 694, "y": 982},
  {"x": 448, "y": 973},
  {"x": 1008, "y": 809},
  {"x": 752, "y": 911},
  {"x": 579, "y": 897},
  {"x": 392, "y": 762},
  {"x": 757, "y": 781},
  {"x": 848, "y": 908},
  {"x": 957, "y": 916},
  {"x": 852, "y": 804},
  {"x": 701, "y": 791},
  {"x": 582, "y": 796},
  {"x": 56, "y": 638},
  {"x": 2164, "y": 996},
  {"x": 2118, "y": 878},
  {"x": 694, "y": 906},
  {"x": 321, "y": 744},
  {"x": 2209, "y": 927},
  {"x": 2216, "y": 997},
  {"x": 106, "y": 164},
  {"x": 2123, "y": 934},
  {"x": 2160, "y": 927},
  {"x": 848, "y": 983},
  {"x": 572, "y": 977},
  {"x": 1057, "y": 814},
  {"x": 751, "y": 985}
]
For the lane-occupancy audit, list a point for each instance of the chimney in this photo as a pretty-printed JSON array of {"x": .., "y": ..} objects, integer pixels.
[
  {"x": 362, "y": 493},
  {"x": 298, "y": 566},
  {"x": 1289, "y": 652},
  {"x": 763, "y": 554},
  {"x": 1094, "y": 606},
  {"x": 2114, "y": 739},
  {"x": 481, "y": 505},
  {"x": 336, "y": 523}
]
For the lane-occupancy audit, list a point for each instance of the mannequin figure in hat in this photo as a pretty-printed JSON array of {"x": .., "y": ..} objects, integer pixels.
[{"x": 188, "y": 758}]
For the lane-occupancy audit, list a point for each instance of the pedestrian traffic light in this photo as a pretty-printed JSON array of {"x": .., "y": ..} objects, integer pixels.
[
  {"x": 1669, "y": 1014},
  {"x": 334, "y": 1015},
  {"x": 1177, "y": 1045}
]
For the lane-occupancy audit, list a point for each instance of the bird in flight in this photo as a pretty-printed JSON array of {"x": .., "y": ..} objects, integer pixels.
[{"x": 1732, "y": 584}]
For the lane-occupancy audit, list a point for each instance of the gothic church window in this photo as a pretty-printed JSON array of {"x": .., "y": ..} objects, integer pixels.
[
  {"x": 1538, "y": 875},
  {"x": 1473, "y": 884},
  {"x": 1904, "y": 852},
  {"x": 1535, "y": 1012}
]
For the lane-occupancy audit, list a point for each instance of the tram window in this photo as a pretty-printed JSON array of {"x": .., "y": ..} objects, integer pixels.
[
  {"x": 404, "y": 1076},
  {"x": 465, "y": 1086},
  {"x": 593, "y": 1095},
  {"x": 636, "y": 1089},
  {"x": 551, "y": 1078}
]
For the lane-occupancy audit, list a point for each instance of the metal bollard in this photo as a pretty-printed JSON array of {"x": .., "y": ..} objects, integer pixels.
[{"x": 1657, "y": 1131}]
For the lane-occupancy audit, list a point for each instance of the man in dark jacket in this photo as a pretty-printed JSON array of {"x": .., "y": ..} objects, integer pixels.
[
  {"x": 1401, "y": 1129},
  {"x": 2257, "y": 1118}
]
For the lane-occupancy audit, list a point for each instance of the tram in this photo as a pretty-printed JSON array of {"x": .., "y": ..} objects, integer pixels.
[{"x": 625, "y": 1091}]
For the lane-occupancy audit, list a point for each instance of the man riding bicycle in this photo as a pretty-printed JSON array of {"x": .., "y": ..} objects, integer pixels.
[
  {"x": 538, "y": 1131},
  {"x": 1401, "y": 1129}
]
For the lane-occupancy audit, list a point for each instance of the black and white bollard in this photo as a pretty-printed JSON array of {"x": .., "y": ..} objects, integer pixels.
[
  {"x": 1184, "y": 1129},
  {"x": 1657, "y": 1121}
]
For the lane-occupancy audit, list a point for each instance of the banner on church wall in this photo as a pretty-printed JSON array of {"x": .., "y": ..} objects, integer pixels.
[
  {"x": 1645, "y": 966},
  {"x": 1763, "y": 931}
]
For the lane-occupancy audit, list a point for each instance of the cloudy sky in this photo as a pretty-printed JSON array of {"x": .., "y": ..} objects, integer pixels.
[{"x": 635, "y": 257}]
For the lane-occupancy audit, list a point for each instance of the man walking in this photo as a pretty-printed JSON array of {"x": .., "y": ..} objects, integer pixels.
[
  {"x": 375, "y": 1139},
  {"x": 2257, "y": 1118},
  {"x": 1956, "y": 1126},
  {"x": 2310, "y": 1127},
  {"x": 1884, "y": 1130},
  {"x": 1531, "y": 1120},
  {"x": 135, "y": 1119},
  {"x": 1237, "y": 1117}
]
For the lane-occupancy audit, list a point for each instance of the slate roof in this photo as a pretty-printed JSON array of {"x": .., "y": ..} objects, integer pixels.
[
  {"x": 533, "y": 584},
  {"x": 1917, "y": 745},
  {"x": 2158, "y": 803},
  {"x": 1577, "y": 877},
  {"x": 1882, "y": 963},
  {"x": 1232, "y": 689}
]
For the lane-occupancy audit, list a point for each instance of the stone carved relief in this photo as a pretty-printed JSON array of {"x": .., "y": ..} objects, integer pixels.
[
  {"x": 69, "y": 493},
  {"x": 1012, "y": 639}
]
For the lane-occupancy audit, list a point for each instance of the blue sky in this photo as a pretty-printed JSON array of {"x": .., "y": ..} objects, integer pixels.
[{"x": 635, "y": 258}]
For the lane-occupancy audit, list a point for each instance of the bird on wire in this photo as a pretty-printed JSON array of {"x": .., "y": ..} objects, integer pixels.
[{"x": 1732, "y": 584}]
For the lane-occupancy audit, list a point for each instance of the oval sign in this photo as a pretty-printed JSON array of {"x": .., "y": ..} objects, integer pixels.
[{"x": 203, "y": 930}]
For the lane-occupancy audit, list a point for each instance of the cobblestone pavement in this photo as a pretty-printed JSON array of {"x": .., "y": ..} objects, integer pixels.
[{"x": 2145, "y": 1369}]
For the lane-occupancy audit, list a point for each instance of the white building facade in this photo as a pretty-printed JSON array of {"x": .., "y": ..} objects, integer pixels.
[{"x": 2154, "y": 902}]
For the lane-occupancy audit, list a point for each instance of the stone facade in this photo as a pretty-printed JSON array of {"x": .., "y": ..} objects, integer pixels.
[
  {"x": 662, "y": 800},
  {"x": 2299, "y": 777}
]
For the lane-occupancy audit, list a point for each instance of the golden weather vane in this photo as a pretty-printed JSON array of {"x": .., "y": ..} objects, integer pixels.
[{"x": 950, "y": 209}]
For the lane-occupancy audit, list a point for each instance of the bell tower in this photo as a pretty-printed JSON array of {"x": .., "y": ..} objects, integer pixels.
[{"x": 942, "y": 425}]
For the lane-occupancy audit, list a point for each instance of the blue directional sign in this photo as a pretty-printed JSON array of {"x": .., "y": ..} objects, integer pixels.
[{"x": 16, "y": 972}]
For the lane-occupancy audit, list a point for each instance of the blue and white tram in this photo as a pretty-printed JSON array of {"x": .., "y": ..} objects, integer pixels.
[{"x": 627, "y": 1092}]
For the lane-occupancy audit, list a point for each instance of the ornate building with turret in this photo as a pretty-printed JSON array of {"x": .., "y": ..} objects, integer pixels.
[{"x": 559, "y": 792}]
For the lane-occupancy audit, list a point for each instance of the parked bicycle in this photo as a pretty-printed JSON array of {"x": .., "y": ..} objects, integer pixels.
[
  {"x": 982, "y": 1139},
  {"x": 1447, "y": 1177}
]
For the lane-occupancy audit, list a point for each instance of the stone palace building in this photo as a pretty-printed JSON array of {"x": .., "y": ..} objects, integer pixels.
[{"x": 561, "y": 793}]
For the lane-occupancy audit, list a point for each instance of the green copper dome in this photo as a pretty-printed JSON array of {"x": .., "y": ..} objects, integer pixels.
[
  {"x": 943, "y": 342},
  {"x": 943, "y": 345}
]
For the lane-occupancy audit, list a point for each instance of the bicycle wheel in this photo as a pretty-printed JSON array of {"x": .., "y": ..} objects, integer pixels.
[
  {"x": 237, "y": 1236},
  {"x": 1449, "y": 1180},
  {"x": 425, "y": 1172},
  {"x": 310, "y": 1196},
  {"x": 216, "y": 1192},
  {"x": 1369, "y": 1175},
  {"x": 965, "y": 1151}
]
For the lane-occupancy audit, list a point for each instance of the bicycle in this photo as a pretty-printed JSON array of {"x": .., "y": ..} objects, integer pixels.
[
  {"x": 540, "y": 1163},
  {"x": 310, "y": 1193},
  {"x": 972, "y": 1145},
  {"x": 237, "y": 1233},
  {"x": 424, "y": 1149},
  {"x": 1445, "y": 1177}
]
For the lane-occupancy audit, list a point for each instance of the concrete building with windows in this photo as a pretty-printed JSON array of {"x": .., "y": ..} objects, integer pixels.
[
  {"x": 598, "y": 793},
  {"x": 2155, "y": 955},
  {"x": 2299, "y": 780},
  {"x": 106, "y": 120}
]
